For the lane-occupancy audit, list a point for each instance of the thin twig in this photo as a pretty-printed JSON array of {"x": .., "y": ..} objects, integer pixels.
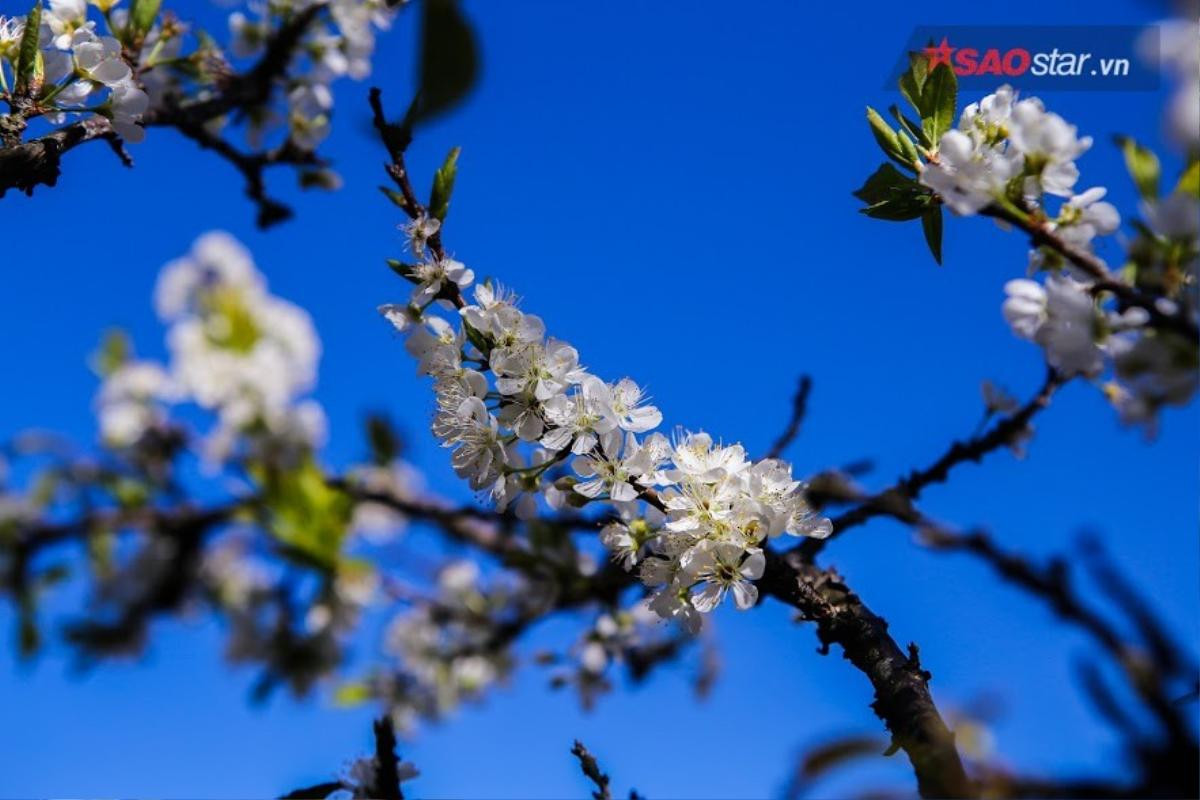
[
  {"x": 897, "y": 497},
  {"x": 591, "y": 769},
  {"x": 799, "y": 408}
]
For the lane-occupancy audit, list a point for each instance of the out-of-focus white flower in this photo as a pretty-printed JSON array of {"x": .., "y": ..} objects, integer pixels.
[
  {"x": 130, "y": 401},
  {"x": 235, "y": 348},
  {"x": 1175, "y": 45},
  {"x": 1061, "y": 317},
  {"x": 1048, "y": 144}
]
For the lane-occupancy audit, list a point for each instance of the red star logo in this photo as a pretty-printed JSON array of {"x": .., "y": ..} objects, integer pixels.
[{"x": 940, "y": 54}]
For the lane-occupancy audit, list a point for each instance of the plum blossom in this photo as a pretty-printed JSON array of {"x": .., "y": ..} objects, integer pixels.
[
  {"x": 1061, "y": 317},
  {"x": 130, "y": 402},
  {"x": 1004, "y": 146},
  {"x": 515, "y": 406},
  {"x": 619, "y": 464},
  {"x": 724, "y": 567}
]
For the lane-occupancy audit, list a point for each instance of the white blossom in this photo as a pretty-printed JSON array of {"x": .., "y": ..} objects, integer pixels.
[
  {"x": 724, "y": 567},
  {"x": 1061, "y": 317}
]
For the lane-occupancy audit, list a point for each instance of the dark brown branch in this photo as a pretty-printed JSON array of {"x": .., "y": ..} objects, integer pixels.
[
  {"x": 896, "y": 499},
  {"x": 38, "y": 161},
  {"x": 799, "y": 408},
  {"x": 1169, "y": 762},
  {"x": 387, "y": 775},
  {"x": 247, "y": 90},
  {"x": 591, "y": 769},
  {"x": 396, "y": 138},
  {"x": 252, "y": 167},
  {"x": 902, "y": 697}
]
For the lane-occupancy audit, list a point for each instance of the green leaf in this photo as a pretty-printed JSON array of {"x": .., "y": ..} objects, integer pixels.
[
  {"x": 898, "y": 210},
  {"x": 305, "y": 514},
  {"x": 1143, "y": 166},
  {"x": 319, "y": 179},
  {"x": 914, "y": 128},
  {"x": 349, "y": 695},
  {"x": 114, "y": 350},
  {"x": 28, "y": 54},
  {"x": 912, "y": 82},
  {"x": 882, "y": 185},
  {"x": 443, "y": 185},
  {"x": 477, "y": 338},
  {"x": 931, "y": 224},
  {"x": 939, "y": 98},
  {"x": 907, "y": 149},
  {"x": 385, "y": 443},
  {"x": 1189, "y": 181},
  {"x": 142, "y": 14},
  {"x": 403, "y": 269},
  {"x": 892, "y": 195},
  {"x": 449, "y": 63},
  {"x": 885, "y": 136},
  {"x": 395, "y": 197}
]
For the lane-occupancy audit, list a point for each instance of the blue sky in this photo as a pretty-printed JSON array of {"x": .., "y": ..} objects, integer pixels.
[{"x": 668, "y": 186}]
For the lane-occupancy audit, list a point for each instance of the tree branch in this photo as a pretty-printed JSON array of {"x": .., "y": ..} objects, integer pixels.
[
  {"x": 898, "y": 497},
  {"x": 902, "y": 697},
  {"x": 38, "y": 162},
  {"x": 591, "y": 769},
  {"x": 799, "y": 408},
  {"x": 1043, "y": 236}
]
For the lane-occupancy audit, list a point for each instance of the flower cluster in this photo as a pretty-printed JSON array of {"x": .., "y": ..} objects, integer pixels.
[
  {"x": 263, "y": 624},
  {"x": 133, "y": 65},
  {"x": 451, "y": 647},
  {"x": 236, "y": 350},
  {"x": 336, "y": 47},
  {"x": 1005, "y": 148},
  {"x": 1011, "y": 154},
  {"x": 694, "y": 512},
  {"x": 80, "y": 71},
  {"x": 1176, "y": 44},
  {"x": 633, "y": 637}
]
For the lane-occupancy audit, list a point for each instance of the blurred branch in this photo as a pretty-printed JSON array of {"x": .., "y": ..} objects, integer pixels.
[
  {"x": 897, "y": 498},
  {"x": 1042, "y": 235},
  {"x": 799, "y": 408},
  {"x": 252, "y": 166},
  {"x": 246, "y": 90},
  {"x": 591, "y": 769},
  {"x": 383, "y": 777},
  {"x": 1170, "y": 760},
  {"x": 387, "y": 775}
]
